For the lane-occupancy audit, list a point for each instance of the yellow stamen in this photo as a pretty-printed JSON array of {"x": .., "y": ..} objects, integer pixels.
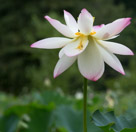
[
  {"x": 92, "y": 33},
  {"x": 80, "y": 47},
  {"x": 78, "y": 33},
  {"x": 81, "y": 37}
]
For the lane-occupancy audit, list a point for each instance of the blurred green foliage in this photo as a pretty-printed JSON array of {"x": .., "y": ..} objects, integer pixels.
[
  {"x": 23, "y": 68},
  {"x": 50, "y": 111}
]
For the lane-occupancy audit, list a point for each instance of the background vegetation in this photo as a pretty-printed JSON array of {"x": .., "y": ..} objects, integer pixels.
[{"x": 26, "y": 73}]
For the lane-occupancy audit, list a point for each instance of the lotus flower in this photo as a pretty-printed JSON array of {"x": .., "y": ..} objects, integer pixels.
[{"x": 87, "y": 44}]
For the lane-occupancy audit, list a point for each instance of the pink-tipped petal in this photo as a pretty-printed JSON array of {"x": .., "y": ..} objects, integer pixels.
[
  {"x": 70, "y": 21},
  {"x": 76, "y": 47},
  {"x": 112, "y": 29},
  {"x": 85, "y": 12},
  {"x": 90, "y": 63},
  {"x": 110, "y": 59},
  {"x": 63, "y": 29},
  {"x": 51, "y": 43},
  {"x": 85, "y": 22},
  {"x": 116, "y": 48},
  {"x": 98, "y": 27},
  {"x": 63, "y": 64}
]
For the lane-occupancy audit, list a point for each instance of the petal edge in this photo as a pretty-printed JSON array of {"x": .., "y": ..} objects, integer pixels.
[
  {"x": 63, "y": 64},
  {"x": 63, "y": 29}
]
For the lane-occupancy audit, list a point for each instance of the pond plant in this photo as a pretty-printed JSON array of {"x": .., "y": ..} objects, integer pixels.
[{"x": 90, "y": 46}]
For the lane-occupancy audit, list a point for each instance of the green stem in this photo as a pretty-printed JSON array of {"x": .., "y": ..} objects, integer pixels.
[{"x": 85, "y": 106}]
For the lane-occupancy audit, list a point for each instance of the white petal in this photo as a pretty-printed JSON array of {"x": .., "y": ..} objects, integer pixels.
[
  {"x": 112, "y": 29},
  {"x": 111, "y": 59},
  {"x": 72, "y": 49},
  {"x": 70, "y": 21},
  {"x": 63, "y": 64},
  {"x": 90, "y": 63},
  {"x": 116, "y": 48},
  {"x": 51, "y": 43},
  {"x": 85, "y": 22},
  {"x": 112, "y": 37},
  {"x": 61, "y": 52},
  {"x": 63, "y": 29}
]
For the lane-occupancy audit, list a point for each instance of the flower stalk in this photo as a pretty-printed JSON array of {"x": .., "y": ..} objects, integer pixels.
[{"x": 85, "y": 106}]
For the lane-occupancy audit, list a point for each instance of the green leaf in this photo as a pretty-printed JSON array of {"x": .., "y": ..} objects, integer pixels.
[
  {"x": 71, "y": 119},
  {"x": 31, "y": 118},
  {"x": 129, "y": 130},
  {"x": 22, "y": 109},
  {"x": 108, "y": 122},
  {"x": 107, "y": 127},
  {"x": 9, "y": 123},
  {"x": 39, "y": 120},
  {"x": 39, "y": 117}
]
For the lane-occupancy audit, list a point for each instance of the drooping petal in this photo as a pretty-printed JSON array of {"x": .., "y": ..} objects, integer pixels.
[
  {"x": 116, "y": 48},
  {"x": 76, "y": 47},
  {"x": 63, "y": 64},
  {"x": 51, "y": 43},
  {"x": 112, "y": 37},
  {"x": 70, "y": 21},
  {"x": 112, "y": 29},
  {"x": 61, "y": 53},
  {"x": 98, "y": 27},
  {"x": 63, "y": 29},
  {"x": 90, "y": 63},
  {"x": 85, "y": 22},
  {"x": 111, "y": 59}
]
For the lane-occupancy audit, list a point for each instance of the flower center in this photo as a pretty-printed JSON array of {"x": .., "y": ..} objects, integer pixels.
[
  {"x": 79, "y": 34},
  {"x": 80, "y": 46},
  {"x": 82, "y": 37},
  {"x": 93, "y": 32}
]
